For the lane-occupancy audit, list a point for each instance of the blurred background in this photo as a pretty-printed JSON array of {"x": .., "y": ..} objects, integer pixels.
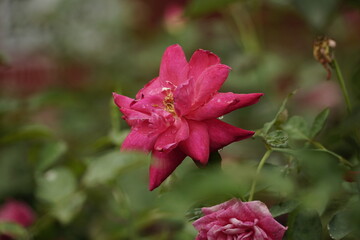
[{"x": 60, "y": 133}]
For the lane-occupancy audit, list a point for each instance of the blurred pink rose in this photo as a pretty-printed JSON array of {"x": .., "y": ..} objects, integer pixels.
[
  {"x": 174, "y": 19},
  {"x": 238, "y": 220},
  {"x": 176, "y": 114},
  {"x": 323, "y": 95},
  {"x": 14, "y": 211},
  {"x": 17, "y": 212}
]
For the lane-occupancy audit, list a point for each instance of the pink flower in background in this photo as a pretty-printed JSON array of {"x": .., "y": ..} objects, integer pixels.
[
  {"x": 238, "y": 220},
  {"x": 17, "y": 212},
  {"x": 176, "y": 114},
  {"x": 174, "y": 19}
]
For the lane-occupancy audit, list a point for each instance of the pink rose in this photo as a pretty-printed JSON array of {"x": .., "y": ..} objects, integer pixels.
[
  {"x": 176, "y": 114},
  {"x": 238, "y": 220},
  {"x": 17, "y": 212}
]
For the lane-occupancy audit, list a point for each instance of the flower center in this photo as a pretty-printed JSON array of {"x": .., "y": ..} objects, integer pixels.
[{"x": 169, "y": 103}]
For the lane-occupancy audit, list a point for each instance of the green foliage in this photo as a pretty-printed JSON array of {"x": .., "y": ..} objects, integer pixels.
[
  {"x": 304, "y": 224},
  {"x": 108, "y": 166},
  {"x": 59, "y": 144},
  {"x": 339, "y": 225},
  {"x": 49, "y": 154},
  {"x": 297, "y": 128},
  {"x": 319, "y": 123},
  {"x": 56, "y": 184},
  {"x": 277, "y": 139},
  {"x": 269, "y": 125},
  {"x": 67, "y": 208},
  {"x": 14, "y": 230},
  {"x": 283, "y": 208}
]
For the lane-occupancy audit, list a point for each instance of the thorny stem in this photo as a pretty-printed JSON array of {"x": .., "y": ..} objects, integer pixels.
[
  {"x": 258, "y": 170},
  {"x": 342, "y": 84}
]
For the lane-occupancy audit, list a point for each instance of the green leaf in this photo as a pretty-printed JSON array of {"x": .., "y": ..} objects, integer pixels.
[
  {"x": 56, "y": 184},
  {"x": 193, "y": 214},
  {"x": 201, "y": 7},
  {"x": 269, "y": 125},
  {"x": 283, "y": 208},
  {"x": 277, "y": 138},
  {"x": 340, "y": 226},
  {"x": 317, "y": 196},
  {"x": 50, "y": 153},
  {"x": 319, "y": 123},
  {"x": 69, "y": 207},
  {"x": 303, "y": 225},
  {"x": 297, "y": 128},
  {"x": 107, "y": 167},
  {"x": 13, "y": 229},
  {"x": 27, "y": 132}
]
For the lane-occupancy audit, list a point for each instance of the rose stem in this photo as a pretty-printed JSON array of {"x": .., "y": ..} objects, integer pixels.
[
  {"x": 258, "y": 170},
  {"x": 342, "y": 84}
]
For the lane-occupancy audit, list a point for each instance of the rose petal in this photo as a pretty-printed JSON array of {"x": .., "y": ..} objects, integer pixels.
[
  {"x": 160, "y": 120},
  {"x": 139, "y": 140},
  {"x": 225, "y": 205},
  {"x": 223, "y": 103},
  {"x": 184, "y": 97},
  {"x": 205, "y": 223},
  {"x": 133, "y": 117},
  {"x": 222, "y": 134},
  {"x": 122, "y": 101},
  {"x": 163, "y": 165},
  {"x": 259, "y": 233},
  {"x": 148, "y": 104},
  {"x": 208, "y": 83},
  {"x": 197, "y": 144},
  {"x": 152, "y": 88},
  {"x": 169, "y": 139},
  {"x": 174, "y": 68},
  {"x": 258, "y": 208},
  {"x": 200, "y": 60}
]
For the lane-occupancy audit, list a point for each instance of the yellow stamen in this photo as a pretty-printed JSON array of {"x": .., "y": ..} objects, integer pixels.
[{"x": 169, "y": 103}]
